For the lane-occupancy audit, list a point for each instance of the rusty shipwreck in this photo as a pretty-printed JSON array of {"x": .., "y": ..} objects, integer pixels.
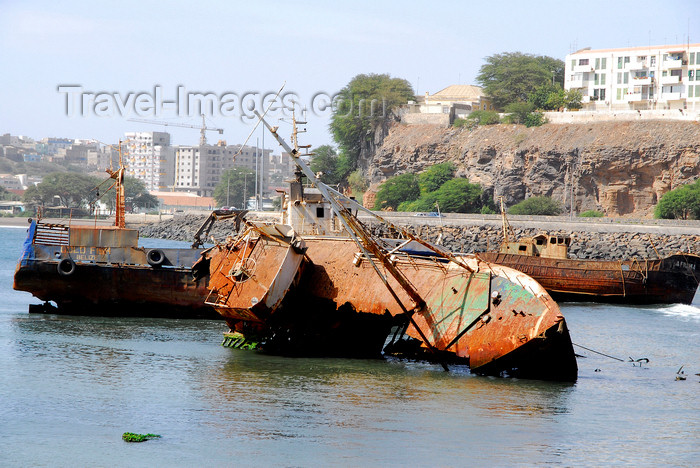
[
  {"x": 101, "y": 270},
  {"x": 319, "y": 282},
  {"x": 664, "y": 280}
]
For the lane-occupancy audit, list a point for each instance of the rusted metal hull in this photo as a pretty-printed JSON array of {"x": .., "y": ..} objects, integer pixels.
[
  {"x": 113, "y": 280},
  {"x": 340, "y": 306},
  {"x": 670, "y": 280},
  {"x": 251, "y": 276}
]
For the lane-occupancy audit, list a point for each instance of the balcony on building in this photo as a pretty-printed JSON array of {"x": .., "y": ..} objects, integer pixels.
[
  {"x": 634, "y": 65},
  {"x": 673, "y": 60},
  {"x": 583, "y": 68},
  {"x": 576, "y": 83},
  {"x": 671, "y": 96},
  {"x": 669, "y": 80},
  {"x": 642, "y": 81},
  {"x": 669, "y": 64},
  {"x": 639, "y": 96}
]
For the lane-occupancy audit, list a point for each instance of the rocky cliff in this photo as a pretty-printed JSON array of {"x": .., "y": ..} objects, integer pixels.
[{"x": 619, "y": 168}]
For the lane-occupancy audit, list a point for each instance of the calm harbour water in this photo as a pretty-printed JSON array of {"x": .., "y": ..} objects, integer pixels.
[{"x": 70, "y": 386}]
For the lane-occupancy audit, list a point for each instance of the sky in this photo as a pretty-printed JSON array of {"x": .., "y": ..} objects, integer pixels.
[{"x": 79, "y": 69}]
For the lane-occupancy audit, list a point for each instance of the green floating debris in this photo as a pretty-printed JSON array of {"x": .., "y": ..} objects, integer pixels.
[
  {"x": 238, "y": 340},
  {"x": 132, "y": 437}
]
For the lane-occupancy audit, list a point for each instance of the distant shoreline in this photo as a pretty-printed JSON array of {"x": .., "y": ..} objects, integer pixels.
[
  {"x": 21, "y": 221},
  {"x": 13, "y": 222}
]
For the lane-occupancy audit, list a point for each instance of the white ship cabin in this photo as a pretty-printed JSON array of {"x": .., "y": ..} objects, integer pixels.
[
  {"x": 305, "y": 209},
  {"x": 541, "y": 245}
]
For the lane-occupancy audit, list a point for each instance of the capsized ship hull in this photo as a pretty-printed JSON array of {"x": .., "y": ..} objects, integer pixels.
[
  {"x": 101, "y": 271},
  {"x": 669, "y": 280},
  {"x": 496, "y": 319}
]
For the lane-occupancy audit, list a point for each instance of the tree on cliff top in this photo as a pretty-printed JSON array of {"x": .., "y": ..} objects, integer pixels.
[
  {"x": 512, "y": 76},
  {"x": 553, "y": 97},
  {"x": 359, "y": 107},
  {"x": 680, "y": 203}
]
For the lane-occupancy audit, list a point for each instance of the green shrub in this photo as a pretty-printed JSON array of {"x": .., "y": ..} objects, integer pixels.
[
  {"x": 397, "y": 190},
  {"x": 680, "y": 203},
  {"x": 591, "y": 214},
  {"x": 535, "y": 119},
  {"x": 432, "y": 178},
  {"x": 484, "y": 117},
  {"x": 524, "y": 113},
  {"x": 544, "y": 206}
]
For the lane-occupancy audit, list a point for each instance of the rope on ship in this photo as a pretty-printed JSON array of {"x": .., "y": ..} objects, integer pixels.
[
  {"x": 654, "y": 247},
  {"x": 622, "y": 275},
  {"x": 692, "y": 272}
]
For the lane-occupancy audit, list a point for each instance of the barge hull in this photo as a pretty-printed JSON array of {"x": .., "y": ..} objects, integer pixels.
[{"x": 670, "y": 280}]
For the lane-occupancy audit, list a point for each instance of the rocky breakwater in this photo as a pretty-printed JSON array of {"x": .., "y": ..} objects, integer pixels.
[
  {"x": 184, "y": 227},
  {"x": 585, "y": 244},
  {"x": 618, "y": 168}
]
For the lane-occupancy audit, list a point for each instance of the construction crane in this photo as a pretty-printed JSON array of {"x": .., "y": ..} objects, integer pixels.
[{"x": 203, "y": 128}]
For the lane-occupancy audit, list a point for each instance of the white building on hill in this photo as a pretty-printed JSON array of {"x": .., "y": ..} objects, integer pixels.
[{"x": 636, "y": 78}]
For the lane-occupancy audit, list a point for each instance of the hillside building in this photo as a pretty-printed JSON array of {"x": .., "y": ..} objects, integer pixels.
[
  {"x": 149, "y": 157},
  {"x": 453, "y": 102},
  {"x": 198, "y": 169},
  {"x": 636, "y": 78}
]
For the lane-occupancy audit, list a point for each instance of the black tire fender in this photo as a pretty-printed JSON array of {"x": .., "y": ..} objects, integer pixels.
[
  {"x": 66, "y": 267},
  {"x": 155, "y": 257}
]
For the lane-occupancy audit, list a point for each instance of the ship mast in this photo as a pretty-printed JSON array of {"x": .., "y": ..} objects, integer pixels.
[
  {"x": 507, "y": 229},
  {"x": 369, "y": 247},
  {"x": 118, "y": 176}
]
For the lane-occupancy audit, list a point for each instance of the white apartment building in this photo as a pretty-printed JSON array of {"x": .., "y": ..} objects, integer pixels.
[
  {"x": 198, "y": 169},
  {"x": 282, "y": 169},
  {"x": 636, "y": 78},
  {"x": 150, "y": 158}
]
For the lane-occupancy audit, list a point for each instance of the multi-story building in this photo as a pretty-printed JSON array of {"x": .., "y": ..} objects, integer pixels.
[
  {"x": 198, "y": 169},
  {"x": 149, "y": 157},
  {"x": 282, "y": 168},
  {"x": 636, "y": 78},
  {"x": 103, "y": 158}
]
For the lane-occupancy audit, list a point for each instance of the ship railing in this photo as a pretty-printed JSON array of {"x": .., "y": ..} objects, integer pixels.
[{"x": 52, "y": 234}]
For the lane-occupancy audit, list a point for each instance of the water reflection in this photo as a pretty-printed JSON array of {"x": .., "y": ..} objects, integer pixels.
[
  {"x": 91, "y": 378},
  {"x": 268, "y": 397}
]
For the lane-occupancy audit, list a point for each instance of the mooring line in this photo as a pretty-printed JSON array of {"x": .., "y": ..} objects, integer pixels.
[{"x": 598, "y": 352}]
